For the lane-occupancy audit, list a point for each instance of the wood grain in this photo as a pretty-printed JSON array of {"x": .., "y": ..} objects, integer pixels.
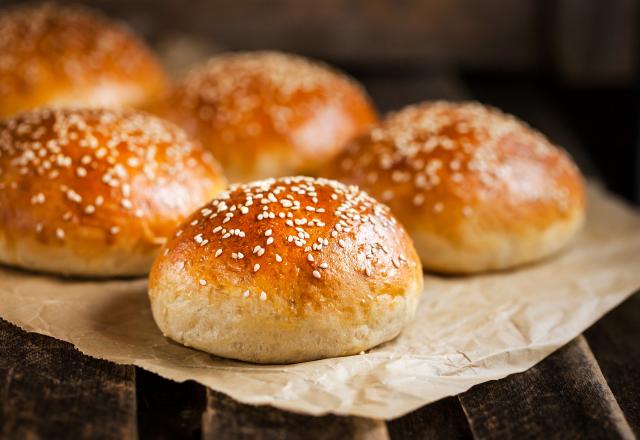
[
  {"x": 500, "y": 32},
  {"x": 615, "y": 342},
  {"x": 168, "y": 409},
  {"x": 443, "y": 419},
  {"x": 225, "y": 418},
  {"x": 563, "y": 397},
  {"x": 48, "y": 389}
]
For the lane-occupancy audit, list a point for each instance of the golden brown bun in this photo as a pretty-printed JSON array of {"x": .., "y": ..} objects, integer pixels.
[
  {"x": 286, "y": 270},
  {"x": 268, "y": 114},
  {"x": 96, "y": 192},
  {"x": 477, "y": 189},
  {"x": 58, "y": 55}
]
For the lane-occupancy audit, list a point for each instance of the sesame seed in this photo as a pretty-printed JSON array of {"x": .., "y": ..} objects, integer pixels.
[
  {"x": 256, "y": 267},
  {"x": 218, "y": 253},
  {"x": 246, "y": 294},
  {"x": 316, "y": 274},
  {"x": 278, "y": 258},
  {"x": 310, "y": 257},
  {"x": 203, "y": 282},
  {"x": 263, "y": 296},
  {"x": 59, "y": 233}
]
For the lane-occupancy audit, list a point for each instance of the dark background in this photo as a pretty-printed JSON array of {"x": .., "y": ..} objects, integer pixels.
[{"x": 568, "y": 67}]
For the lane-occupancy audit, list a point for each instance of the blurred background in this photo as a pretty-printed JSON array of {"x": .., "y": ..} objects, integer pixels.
[{"x": 568, "y": 67}]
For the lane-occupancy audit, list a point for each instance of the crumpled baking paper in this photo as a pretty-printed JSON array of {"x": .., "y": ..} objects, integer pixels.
[{"x": 468, "y": 330}]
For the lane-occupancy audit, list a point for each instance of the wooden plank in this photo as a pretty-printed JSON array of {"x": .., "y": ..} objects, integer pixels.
[
  {"x": 615, "y": 344},
  {"x": 50, "y": 390},
  {"x": 497, "y": 33},
  {"x": 225, "y": 418},
  {"x": 443, "y": 419},
  {"x": 565, "y": 396},
  {"x": 595, "y": 41},
  {"x": 168, "y": 409}
]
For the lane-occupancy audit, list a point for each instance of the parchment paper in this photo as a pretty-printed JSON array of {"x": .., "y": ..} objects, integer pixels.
[{"x": 468, "y": 330}]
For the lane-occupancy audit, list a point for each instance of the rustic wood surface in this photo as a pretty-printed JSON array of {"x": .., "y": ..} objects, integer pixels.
[
  {"x": 615, "y": 342},
  {"x": 585, "y": 41},
  {"x": 168, "y": 409},
  {"x": 566, "y": 396},
  {"x": 443, "y": 419},
  {"x": 48, "y": 389},
  {"x": 226, "y": 418}
]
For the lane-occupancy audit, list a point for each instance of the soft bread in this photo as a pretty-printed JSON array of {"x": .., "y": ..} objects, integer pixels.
[
  {"x": 477, "y": 189},
  {"x": 59, "y": 55},
  {"x": 269, "y": 114},
  {"x": 286, "y": 270},
  {"x": 96, "y": 192}
]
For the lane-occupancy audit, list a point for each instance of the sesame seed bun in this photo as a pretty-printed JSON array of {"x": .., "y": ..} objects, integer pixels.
[
  {"x": 96, "y": 192},
  {"x": 268, "y": 114},
  {"x": 286, "y": 270},
  {"x": 477, "y": 189},
  {"x": 58, "y": 55}
]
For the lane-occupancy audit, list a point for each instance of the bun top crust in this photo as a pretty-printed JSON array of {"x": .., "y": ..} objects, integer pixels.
[
  {"x": 436, "y": 164},
  {"x": 53, "y": 54},
  {"x": 265, "y": 113},
  {"x": 69, "y": 177},
  {"x": 298, "y": 242}
]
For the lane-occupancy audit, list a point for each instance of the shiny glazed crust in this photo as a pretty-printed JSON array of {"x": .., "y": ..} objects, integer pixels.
[
  {"x": 268, "y": 114},
  {"x": 477, "y": 189},
  {"x": 59, "y": 56},
  {"x": 96, "y": 192},
  {"x": 286, "y": 270}
]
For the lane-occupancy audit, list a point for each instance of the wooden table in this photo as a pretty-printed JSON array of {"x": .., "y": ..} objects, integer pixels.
[{"x": 588, "y": 389}]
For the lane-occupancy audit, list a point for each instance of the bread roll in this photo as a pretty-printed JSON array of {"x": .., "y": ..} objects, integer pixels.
[
  {"x": 268, "y": 114},
  {"x": 286, "y": 270},
  {"x": 96, "y": 192},
  {"x": 477, "y": 189},
  {"x": 59, "y": 55}
]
